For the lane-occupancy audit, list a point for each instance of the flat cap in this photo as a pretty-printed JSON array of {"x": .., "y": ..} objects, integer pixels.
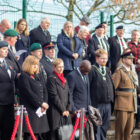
[
  {"x": 120, "y": 27},
  {"x": 10, "y": 32},
  {"x": 99, "y": 26},
  {"x": 35, "y": 46},
  {"x": 127, "y": 55},
  {"x": 49, "y": 45},
  {"x": 86, "y": 19},
  {"x": 3, "y": 44}
]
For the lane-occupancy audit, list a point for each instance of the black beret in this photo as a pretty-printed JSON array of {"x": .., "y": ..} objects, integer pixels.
[
  {"x": 3, "y": 44},
  {"x": 49, "y": 45},
  {"x": 99, "y": 26},
  {"x": 128, "y": 55},
  {"x": 120, "y": 27}
]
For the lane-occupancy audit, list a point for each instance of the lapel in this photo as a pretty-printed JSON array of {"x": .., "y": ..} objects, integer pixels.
[
  {"x": 79, "y": 77},
  {"x": 117, "y": 44},
  {"x": 97, "y": 43},
  {"x": 59, "y": 82},
  {"x": 41, "y": 32}
]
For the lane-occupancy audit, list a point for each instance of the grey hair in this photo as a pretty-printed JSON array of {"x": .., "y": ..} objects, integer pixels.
[{"x": 83, "y": 29}]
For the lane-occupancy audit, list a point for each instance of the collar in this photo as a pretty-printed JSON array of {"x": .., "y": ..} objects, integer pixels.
[
  {"x": 1, "y": 60},
  {"x": 134, "y": 43},
  {"x": 43, "y": 29},
  {"x": 49, "y": 58},
  {"x": 128, "y": 69}
]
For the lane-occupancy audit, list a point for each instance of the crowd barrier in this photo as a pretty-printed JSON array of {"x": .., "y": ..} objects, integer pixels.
[{"x": 22, "y": 112}]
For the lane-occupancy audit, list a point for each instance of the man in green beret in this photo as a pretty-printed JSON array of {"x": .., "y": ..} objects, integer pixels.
[{"x": 10, "y": 36}]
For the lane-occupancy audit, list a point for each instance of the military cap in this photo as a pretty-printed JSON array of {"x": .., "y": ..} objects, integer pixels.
[
  {"x": 35, "y": 46},
  {"x": 86, "y": 19},
  {"x": 99, "y": 26},
  {"x": 49, "y": 45},
  {"x": 120, "y": 27},
  {"x": 10, "y": 32},
  {"x": 127, "y": 55},
  {"x": 3, "y": 44}
]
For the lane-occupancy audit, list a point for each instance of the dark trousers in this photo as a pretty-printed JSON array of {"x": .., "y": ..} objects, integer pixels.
[
  {"x": 101, "y": 131},
  {"x": 6, "y": 121},
  {"x": 52, "y": 135}
]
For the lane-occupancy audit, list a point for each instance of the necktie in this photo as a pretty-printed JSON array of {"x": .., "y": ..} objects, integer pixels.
[
  {"x": 122, "y": 44},
  {"x": 103, "y": 44},
  {"x": 103, "y": 71}
]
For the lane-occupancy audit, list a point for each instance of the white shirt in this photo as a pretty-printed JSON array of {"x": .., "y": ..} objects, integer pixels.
[{"x": 124, "y": 43}]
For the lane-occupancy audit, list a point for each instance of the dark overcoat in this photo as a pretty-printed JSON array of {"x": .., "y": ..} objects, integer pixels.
[
  {"x": 32, "y": 95},
  {"x": 59, "y": 101},
  {"x": 37, "y": 36},
  {"x": 79, "y": 90},
  {"x": 47, "y": 65},
  {"x": 115, "y": 52}
]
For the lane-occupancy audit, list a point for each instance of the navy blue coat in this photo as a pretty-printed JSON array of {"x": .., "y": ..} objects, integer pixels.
[
  {"x": 80, "y": 92},
  {"x": 65, "y": 51}
]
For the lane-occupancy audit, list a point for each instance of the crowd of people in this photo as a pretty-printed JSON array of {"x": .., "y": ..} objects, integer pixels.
[{"x": 90, "y": 70}]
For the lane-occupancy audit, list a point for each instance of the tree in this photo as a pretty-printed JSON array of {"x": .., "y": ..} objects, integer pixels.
[{"x": 124, "y": 11}]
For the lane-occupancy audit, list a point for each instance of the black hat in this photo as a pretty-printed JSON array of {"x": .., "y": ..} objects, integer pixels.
[
  {"x": 3, "y": 44},
  {"x": 49, "y": 45},
  {"x": 99, "y": 26},
  {"x": 120, "y": 27},
  {"x": 128, "y": 55},
  {"x": 86, "y": 19}
]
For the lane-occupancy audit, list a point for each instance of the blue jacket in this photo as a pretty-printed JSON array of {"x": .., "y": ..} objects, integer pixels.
[
  {"x": 65, "y": 51},
  {"x": 80, "y": 92}
]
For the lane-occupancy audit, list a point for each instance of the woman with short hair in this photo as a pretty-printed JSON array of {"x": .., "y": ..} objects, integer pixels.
[
  {"x": 59, "y": 99},
  {"x": 69, "y": 48},
  {"x": 34, "y": 96}
]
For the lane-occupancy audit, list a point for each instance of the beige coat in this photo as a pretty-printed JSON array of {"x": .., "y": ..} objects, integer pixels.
[{"x": 124, "y": 101}]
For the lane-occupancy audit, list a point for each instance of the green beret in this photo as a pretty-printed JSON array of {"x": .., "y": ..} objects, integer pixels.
[
  {"x": 10, "y": 32},
  {"x": 35, "y": 46}
]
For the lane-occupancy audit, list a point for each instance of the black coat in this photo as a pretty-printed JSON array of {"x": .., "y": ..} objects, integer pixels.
[
  {"x": 7, "y": 84},
  {"x": 37, "y": 36},
  {"x": 80, "y": 92},
  {"x": 115, "y": 52},
  {"x": 47, "y": 65},
  {"x": 59, "y": 101},
  {"x": 101, "y": 91},
  {"x": 32, "y": 94},
  {"x": 12, "y": 57},
  {"x": 93, "y": 45}
]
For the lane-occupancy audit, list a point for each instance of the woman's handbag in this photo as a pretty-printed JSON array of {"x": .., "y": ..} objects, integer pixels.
[{"x": 65, "y": 131}]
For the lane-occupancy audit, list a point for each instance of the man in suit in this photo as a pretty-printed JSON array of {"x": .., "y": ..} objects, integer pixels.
[
  {"x": 49, "y": 55},
  {"x": 117, "y": 44},
  {"x": 79, "y": 86},
  {"x": 96, "y": 42},
  {"x": 124, "y": 82},
  {"x": 101, "y": 92},
  {"x": 41, "y": 34},
  {"x": 7, "y": 90},
  {"x": 10, "y": 36}
]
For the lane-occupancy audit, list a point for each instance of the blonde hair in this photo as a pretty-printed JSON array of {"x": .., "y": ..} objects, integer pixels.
[
  {"x": 26, "y": 31},
  {"x": 28, "y": 63},
  {"x": 100, "y": 52},
  {"x": 65, "y": 24},
  {"x": 57, "y": 61}
]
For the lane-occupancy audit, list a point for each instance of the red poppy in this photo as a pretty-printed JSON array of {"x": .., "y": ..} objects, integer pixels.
[
  {"x": 31, "y": 76},
  {"x": 10, "y": 67}
]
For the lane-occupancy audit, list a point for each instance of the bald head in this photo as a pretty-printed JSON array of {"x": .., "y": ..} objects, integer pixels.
[
  {"x": 85, "y": 67},
  {"x": 5, "y": 25}
]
